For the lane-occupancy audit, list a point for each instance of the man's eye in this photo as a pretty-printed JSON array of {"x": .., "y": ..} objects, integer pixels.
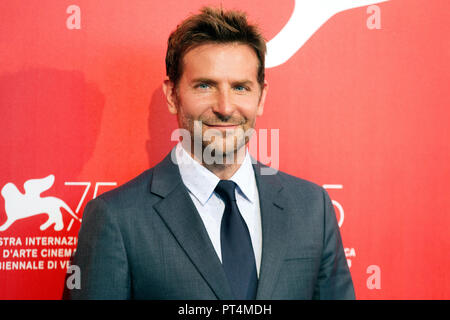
[
  {"x": 203, "y": 86},
  {"x": 240, "y": 88}
]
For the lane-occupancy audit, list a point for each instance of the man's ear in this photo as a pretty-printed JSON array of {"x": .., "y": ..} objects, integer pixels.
[
  {"x": 262, "y": 99},
  {"x": 169, "y": 91}
]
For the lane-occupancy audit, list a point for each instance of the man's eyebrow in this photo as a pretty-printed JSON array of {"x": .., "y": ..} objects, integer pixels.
[
  {"x": 244, "y": 82},
  {"x": 203, "y": 80},
  {"x": 214, "y": 82}
]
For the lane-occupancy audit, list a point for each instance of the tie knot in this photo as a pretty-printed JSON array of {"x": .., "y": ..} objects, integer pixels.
[{"x": 225, "y": 189}]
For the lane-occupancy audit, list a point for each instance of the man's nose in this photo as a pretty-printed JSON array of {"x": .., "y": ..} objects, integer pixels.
[{"x": 223, "y": 104}]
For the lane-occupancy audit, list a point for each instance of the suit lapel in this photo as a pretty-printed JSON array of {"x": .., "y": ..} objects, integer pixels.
[
  {"x": 182, "y": 219},
  {"x": 275, "y": 227}
]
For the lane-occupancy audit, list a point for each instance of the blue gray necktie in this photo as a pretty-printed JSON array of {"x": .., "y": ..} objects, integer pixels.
[{"x": 238, "y": 258}]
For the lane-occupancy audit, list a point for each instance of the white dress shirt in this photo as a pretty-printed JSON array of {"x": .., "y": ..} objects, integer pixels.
[{"x": 201, "y": 183}]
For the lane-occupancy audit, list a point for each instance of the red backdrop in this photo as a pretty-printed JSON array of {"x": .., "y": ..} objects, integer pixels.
[{"x": 361, "y": 107}]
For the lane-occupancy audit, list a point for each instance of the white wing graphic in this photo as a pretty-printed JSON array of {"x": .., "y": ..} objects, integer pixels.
[
  {"x": 307, "y": 18},
  {"x": 36, "y": 186}
]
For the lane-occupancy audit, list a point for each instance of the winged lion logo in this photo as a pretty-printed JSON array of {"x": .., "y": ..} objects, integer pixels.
[{"x": 20, "y": 206}]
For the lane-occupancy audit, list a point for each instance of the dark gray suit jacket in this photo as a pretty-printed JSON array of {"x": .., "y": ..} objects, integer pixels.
[{"x": 146, "y": 240}]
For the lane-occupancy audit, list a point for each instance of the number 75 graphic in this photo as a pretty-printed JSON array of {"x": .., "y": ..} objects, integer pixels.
[
  {"x": 87, "y": 186},
  {"x": 335, "y": 203}
]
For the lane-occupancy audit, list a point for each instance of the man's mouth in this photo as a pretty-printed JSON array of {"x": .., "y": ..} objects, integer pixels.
[{"x": 222, "y": 125}]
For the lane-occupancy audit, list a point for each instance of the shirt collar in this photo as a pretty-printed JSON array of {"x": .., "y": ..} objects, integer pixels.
[{"x": 201, "y": 182}]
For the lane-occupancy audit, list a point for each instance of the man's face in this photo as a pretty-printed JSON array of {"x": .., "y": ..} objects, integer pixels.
[{"x": 219, "y": 88}]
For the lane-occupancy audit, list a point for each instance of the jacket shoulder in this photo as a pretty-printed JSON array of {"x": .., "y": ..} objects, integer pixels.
[
  {"x": 127, "y": 193},
  {"x": 294, "y": 183}
]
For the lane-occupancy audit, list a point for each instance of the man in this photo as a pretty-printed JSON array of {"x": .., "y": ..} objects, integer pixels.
[{"x": 205, "y": 223}]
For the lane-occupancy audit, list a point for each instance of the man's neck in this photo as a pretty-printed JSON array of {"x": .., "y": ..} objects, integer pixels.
[{"x": 228, "y": 167}]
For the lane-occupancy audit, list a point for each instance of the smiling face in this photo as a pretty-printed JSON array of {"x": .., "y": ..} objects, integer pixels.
[{"x": 219, "y": 88}]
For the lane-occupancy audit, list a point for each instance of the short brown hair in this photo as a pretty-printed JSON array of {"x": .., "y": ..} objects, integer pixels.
[{"x": 212, "y": 25}]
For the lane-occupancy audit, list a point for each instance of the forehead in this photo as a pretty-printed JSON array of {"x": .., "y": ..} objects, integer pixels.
[{"x": 231, "y": 60}]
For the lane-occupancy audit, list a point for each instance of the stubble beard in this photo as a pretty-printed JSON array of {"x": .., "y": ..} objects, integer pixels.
[{"x": 218, "y": 148}]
